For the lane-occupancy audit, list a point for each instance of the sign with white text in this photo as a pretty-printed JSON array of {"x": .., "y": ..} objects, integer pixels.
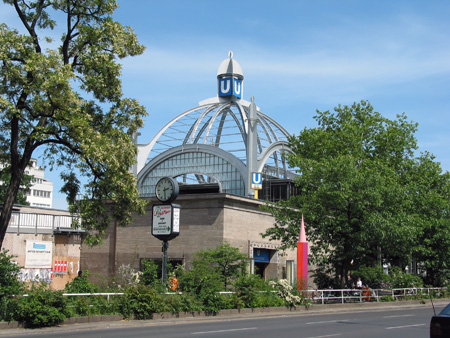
[{"x": 166, "y": 221}]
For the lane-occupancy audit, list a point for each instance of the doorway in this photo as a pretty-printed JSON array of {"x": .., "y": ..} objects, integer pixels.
[{"x": 262, "y": 260}]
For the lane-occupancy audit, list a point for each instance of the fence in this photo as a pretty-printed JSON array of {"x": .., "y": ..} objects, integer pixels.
[
  {"x": 366, "y": 294},
  {"x": 41, "y": 223},
  {"x": 332, "y": 295}
]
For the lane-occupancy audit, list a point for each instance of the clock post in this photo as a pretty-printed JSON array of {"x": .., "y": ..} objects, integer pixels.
[{"x": 166, "y": 216}]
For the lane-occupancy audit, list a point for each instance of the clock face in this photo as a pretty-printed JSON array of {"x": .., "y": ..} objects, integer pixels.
[{"x": 166, "y": 189}]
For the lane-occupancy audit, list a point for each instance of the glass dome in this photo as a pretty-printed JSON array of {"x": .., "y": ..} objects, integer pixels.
[{"x": 210, "y": 144}]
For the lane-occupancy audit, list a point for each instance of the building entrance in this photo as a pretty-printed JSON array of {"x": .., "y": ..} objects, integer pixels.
[{"x": 262, "y": 260}]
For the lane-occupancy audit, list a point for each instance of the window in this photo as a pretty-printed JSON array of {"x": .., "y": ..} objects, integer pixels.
[{"x": 40, "y": 193}]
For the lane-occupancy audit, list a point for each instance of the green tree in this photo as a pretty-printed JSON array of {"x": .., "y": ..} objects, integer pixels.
[
  {"x": 355, "y": 180},
  {"x": 213, "y": 270},
  {"x": 25, "y": 184},
  {"x": 430, "y": 195},
  {"x": 66, "y": 99},
  {"x": 226, "y": 260}
]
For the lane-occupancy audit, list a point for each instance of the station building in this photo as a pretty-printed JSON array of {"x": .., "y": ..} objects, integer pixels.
[{"x": 218, "y": 152}]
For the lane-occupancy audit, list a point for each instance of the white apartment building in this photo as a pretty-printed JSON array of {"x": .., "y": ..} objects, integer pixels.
[{"x": 41, "y": 191}]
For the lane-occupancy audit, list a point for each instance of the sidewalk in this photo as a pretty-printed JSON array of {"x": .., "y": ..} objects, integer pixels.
[{"x": 114, "y": 321}]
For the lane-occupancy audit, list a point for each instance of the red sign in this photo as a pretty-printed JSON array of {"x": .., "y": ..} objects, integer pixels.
[{"x": 60, "y": 266}]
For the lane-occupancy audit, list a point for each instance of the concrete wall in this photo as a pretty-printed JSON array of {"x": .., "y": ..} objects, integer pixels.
[{"x": 64, "y": 248}]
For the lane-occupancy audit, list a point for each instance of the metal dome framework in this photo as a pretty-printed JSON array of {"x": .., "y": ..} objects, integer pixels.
[{"x": 212, "y": 143}]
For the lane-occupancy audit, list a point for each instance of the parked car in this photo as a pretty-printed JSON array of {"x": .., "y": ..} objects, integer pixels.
[{"x": 440, "y": 324}]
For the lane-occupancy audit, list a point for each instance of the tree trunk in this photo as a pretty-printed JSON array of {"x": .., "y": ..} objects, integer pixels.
[{"x": 8, "y": 205}]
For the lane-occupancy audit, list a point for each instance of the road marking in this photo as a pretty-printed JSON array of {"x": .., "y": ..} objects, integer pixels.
[
  {"x": 402, "y": 327},
  {"x": 398, "y": 316},
  {"x": 231, "y": 330},
  {"x": 328, "y": 321},
  {"x": 329, "y": 335}
]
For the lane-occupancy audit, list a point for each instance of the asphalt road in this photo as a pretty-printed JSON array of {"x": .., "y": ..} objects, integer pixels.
[{"x": 369, "y": 323}]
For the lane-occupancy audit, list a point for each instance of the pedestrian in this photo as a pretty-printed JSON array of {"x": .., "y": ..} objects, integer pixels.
[{"x": 359, "y": 283}]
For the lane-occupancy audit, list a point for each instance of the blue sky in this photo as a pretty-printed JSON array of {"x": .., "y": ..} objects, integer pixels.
[{"x": 297, "y": 56}]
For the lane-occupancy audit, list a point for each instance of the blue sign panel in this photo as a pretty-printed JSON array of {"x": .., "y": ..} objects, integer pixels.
[
  {"x": 261, "y": 255},
  {"x": 256, "y": 180},
  {"x": 229, "y": 86},
  {"x": 225, "y": 86},
  {"x": 237, "y": 88}
]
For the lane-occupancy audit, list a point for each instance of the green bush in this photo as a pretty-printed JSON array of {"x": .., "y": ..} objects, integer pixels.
[
  {"x": 374, "y": 277},
  {"x": 185, "y": 302},
  {"x": 291, "y": 296},
  {"x": 252, "y": 291},
  {"x": 10, "y": 285},
  {"x": 42, "y": 307},
  {"x": 142, "y": 301},
  {"x": 81, "y": 284},
  {"x": 404, "y": 280},
  {"x": 204, "y": 283},
  {"x": 93, "y": 305},
  {"x": 387, "y": 299},
  {"x": 149, "y": 273}
]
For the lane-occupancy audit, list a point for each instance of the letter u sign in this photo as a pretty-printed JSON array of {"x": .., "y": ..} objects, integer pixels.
[
  {"x": 225, "y": 86},
  {"x": 230, "y": 86},
  {"x": 256, "y": 180},
  {"x": 237, "y": 88}
]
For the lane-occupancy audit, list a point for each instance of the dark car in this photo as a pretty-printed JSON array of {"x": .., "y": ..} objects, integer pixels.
[{"x": 440, "y": 324}]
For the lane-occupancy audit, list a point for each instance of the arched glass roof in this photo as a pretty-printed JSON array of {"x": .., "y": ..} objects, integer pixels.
[{"x": 208, "y": 144}]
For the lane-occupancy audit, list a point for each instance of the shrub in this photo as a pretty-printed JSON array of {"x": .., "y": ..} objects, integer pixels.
[
  {"x": 81, "y": 284},
  {"x": 387, "y": 299},
  {"x": 142, "y": 301},
  {"x": 291, "y": 297},
  {"x": 203, "y": 282},
  {"x": 149, "y": 273},
  {"x": 128, "y": 276},
  {"x": 404, "y": 280},
  {"x": 374, "y": 277},
  {"x": 248, "y": 293},
  {"x": 244, "y": 292},
  {"x": 182, "y": 303},
  {"x": 42, "y": 307},
  {"x": 10, "y": 285}
]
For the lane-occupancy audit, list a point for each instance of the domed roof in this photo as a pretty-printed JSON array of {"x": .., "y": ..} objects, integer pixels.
[
  {"x": 230, "y": 67},
  {"x": 221, "y": 140},
  {"x": 222, "y": 125}
]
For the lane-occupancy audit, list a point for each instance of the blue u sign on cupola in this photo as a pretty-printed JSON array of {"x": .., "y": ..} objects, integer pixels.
[{"x": 230, "y": 86}]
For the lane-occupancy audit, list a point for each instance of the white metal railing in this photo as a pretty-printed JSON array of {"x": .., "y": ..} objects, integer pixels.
[
  {"x": 107, "y": 294},
  {"x": 367, "y": 294},
  {"x": 324, "y": 296},
  {"x": 47, "y": 222}
]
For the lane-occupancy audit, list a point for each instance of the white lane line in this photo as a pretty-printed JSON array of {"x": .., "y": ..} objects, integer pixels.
[
  {"x": 402, "y": 327},
  {"x": 329, "y": 335},
  {"x": 230, "y": 330},
  {"x": 328, "y": 321},
  {"x": 398, "y": 316}
]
